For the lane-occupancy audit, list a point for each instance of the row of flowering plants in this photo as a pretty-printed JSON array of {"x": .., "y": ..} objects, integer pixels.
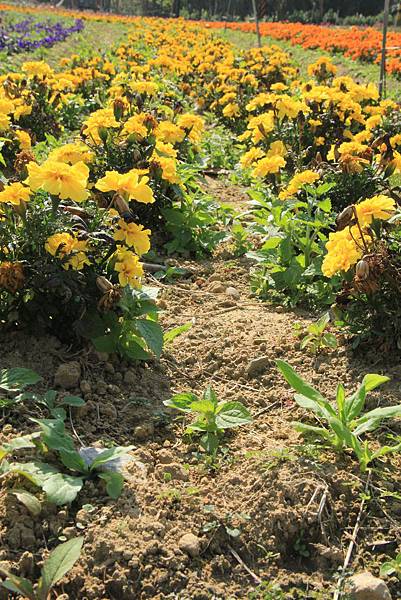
[
  {"x": 30, "y": 34},
  {"x": 358, "y": 43}
]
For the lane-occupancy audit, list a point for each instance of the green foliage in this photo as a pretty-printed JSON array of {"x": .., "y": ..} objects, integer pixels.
[
  {"x": 170, "y": 335},
  {"x": 59, "y": 562},
  {"x": 289, "y": 261},
  {"x": 60, "y": 486},
  {"x": 392, "y": 567},
  {"x": 316, "y": 337},
  {"x": 343, "y": 424},
  {"x": 212, "y": 417}
]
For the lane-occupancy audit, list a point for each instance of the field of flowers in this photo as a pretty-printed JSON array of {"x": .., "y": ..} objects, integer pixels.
[{"x": 190, "y": 233}]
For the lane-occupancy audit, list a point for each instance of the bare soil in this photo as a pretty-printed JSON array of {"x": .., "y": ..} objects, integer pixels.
[{"x": 293, "y": 505}]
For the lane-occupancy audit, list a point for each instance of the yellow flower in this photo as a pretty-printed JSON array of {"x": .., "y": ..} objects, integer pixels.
[
  {"x": 133, "y": 235},
  {"x": 71, "y": 153},
  {"x": 169, "y": 132},
  {"x": 250, "y": 157},
  {"x": 102, "y": 118},
  {"x": 193, "y": 125},
  {"x": 169, "y": 169},
  {"x": 377, "y": 207},
  {"x": 268, "y": 165},
  {"x": 343, "y": 251},
  {"x": 231, "y": 110},
  {"x": 59, "y": 179},
  {"x": 128, "y": 267},
  {"x": 15, "y": 193},
  {"x": 36, "y": 69},
  {"x": 166, "y": 150},
  {"x": 135, "y": 125},
  {"x": 65, "y": 245},
  {"x": 277, "y": 149},
  {"x": 296, "y": 183},
  {"x": 131, "y": 185},
  {"x": 24, "y": 139}
]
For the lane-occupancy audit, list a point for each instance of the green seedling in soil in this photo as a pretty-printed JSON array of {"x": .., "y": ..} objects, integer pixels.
[
  {"x": 63, "y": 487},
  {"x": 345, "y": 421},
  {"x": 60, "y": 561},
  {"x": 16, "y": 380},
  {"x": 170, "y": 335},
  {"x": 316, "y": 338},
  {"x": 392, "y": 567},
  {"x": 212, "y": 417},
  {"x": 231, "y": 522},
  {"x": 241, "y": 243}
]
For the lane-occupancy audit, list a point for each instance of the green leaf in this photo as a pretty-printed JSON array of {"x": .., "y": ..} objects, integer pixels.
[
  {"x": 370, "y": 420},
  {"x": 329, "y": 340},
  {"x": 181, "y": 402},
  {"x": 322, "y": 408},
  {"x": 62, "y": 489},
  {"x": 18, "y": 443},
  {"x": 17, "y": 584},
  {"x": 232, "y": 414},
  {"x": 340, "y": 399},
  {"x": 36, "y": 472},
  {"x": 60, "y": 561},
  {"x": 210, "y": 442},
  {"x": 371, "y": 381},
  {"x": 114, "y": 483},
  {"x": 152, "y": 333},
  {"x": 387, "y": 568},
  {"x": 303, "y": 428},
  {"x": 210, "y": 395},
  {"x": 204, "y": 407},
  {"x": 73, "y": 460},
  {"x": 28, "y": 500},
  {"x": 110, "y": 454},
  {"x": 297, "y": 383},
  {"x": 170, "y": 335},
  {"x": 54, "y": 435},
  {"x": 17, "y": 379}
]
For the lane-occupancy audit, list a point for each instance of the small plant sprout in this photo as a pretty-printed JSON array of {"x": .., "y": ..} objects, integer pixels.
[
  {"x": 392, "y": 567},
  {"x": 60, "y": 561},
  {"x": 61, "y": 482},
  {"x": 316, "y": 337},
  {"x": 212, "y": 417},
  {"x": 342, "y": 425},
  {"x": 13, "y": 381}
]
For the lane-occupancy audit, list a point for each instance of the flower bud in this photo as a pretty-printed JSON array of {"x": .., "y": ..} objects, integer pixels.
[
  {"x": 362, "y": 269},
  {"x": 345, "y": 217},
  {"x": 118, "y": 108},
  {"x": 103, "y": 133},
  {"x": 103, "y": 284}
]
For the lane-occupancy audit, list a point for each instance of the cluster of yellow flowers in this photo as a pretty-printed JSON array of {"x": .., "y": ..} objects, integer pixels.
[{"x": 347, "y": 246}]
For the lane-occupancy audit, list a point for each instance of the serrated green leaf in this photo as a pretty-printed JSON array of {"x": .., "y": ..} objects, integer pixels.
[{"x": 232, "y": 414}]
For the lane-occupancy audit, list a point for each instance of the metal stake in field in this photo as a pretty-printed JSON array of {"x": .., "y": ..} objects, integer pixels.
[
  {"x": 382, "y": 82},
  {"x": 255, "y": 12}
]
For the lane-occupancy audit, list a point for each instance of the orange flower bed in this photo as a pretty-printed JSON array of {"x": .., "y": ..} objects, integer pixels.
[{"x": 355, "y": 42}]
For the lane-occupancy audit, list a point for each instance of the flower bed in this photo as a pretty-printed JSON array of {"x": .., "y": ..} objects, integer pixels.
[{"x": 30, "y": 34}]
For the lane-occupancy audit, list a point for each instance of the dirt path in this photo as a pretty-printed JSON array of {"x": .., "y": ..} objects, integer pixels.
[{"x": 273, "y": 509}]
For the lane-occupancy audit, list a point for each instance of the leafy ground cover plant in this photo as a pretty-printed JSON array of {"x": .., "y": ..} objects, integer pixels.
[
  {"x": 14, "y": 381},
  {"x": 59, "y": 562},
  {"x": 392, "y": 567},
  {"x": 316, "y": 338},
  {"x": 60, "y": 486},
  {"x": 213, "y": 417},
  {"x": 343, "y": 424}
]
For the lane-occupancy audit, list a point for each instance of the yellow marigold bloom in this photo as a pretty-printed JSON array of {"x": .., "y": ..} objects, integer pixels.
[
  {"x": 65, "y": 245},
  {"x": 15, "y": 193},
  {"x": 102, "y": 118},
  {"x": 342, "y": 251},
  {"x": 279, "y": 87},
  {"x": 296, "y": 183},
  {"x": 144, "y": 87},
  {"x": 36, "y": 69},
  {"x": 231, "y": 110},
  {"x": 135, "y": 125},
  {"x": 268, "y": 165},
  {"x": 133, "y": 235},
  {"x": 128, "y": 267},
  {"x": 59, "y": 179},
  {"x": 71, "y": 153},
  {"x": 162, "y": 149},
  {"x": 277, "y": 149},
  {"x": 169, "y": 169},
  {"x": 24, "y": 139},
  {"x": 169, "y": 132},
  {"x": 373, "y": 122},
  {"x": 131, "y": 185},
  {"x": 250, "y": 157},
  {"x": 260, "y": 126},
  {"x": 193, "y": 125},
  {"x": 377, "y": 207}
]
